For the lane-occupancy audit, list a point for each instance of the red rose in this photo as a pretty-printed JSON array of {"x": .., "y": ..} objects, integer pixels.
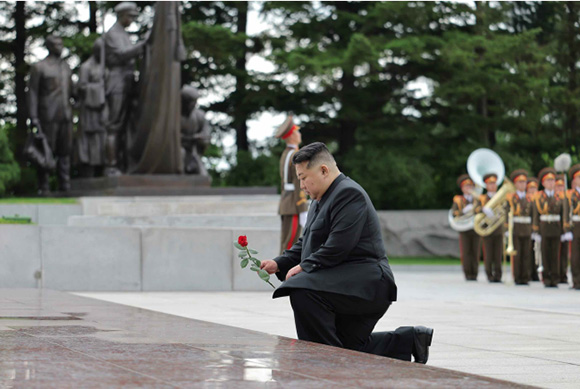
[{"x": 243, "y": 240}]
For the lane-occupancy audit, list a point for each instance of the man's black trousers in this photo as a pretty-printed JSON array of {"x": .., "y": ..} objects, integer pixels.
[{"x": 347, "y": 322}]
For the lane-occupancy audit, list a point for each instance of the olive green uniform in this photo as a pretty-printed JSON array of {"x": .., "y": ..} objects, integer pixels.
[
  {"x": 492, "y": 245},
  {"x": 522, "y": 209},
  {"x": 469, "y": 241},
  {"x": 292, "y": 201}
]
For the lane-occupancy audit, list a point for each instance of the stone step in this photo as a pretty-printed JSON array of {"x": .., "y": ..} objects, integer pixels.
[{"x": 203, "y": 220}]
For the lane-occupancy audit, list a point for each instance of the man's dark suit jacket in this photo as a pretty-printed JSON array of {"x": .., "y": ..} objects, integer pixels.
[{"x": 341, "y": 250}]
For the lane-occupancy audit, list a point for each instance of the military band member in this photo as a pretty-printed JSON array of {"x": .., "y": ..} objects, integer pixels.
[
  {"x": 574, "y": 204},
  {"x": 522, "y": 208},
  {"x": 293, "y": 203},
  {"x": 548, "y": 220},
  {"x": 493, "y": 243},
  {"x": 531, "y": 190},
  {"x": 560, "y": 190},
  {"x": 469, "y": 241}
]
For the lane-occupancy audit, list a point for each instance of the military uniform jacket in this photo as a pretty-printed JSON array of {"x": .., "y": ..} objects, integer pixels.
[
  {"x": 342, "y": 249},
  {"x": 550, "y": 215},
  {"x": 292, "y": 198},
  {"x": 574, "y": 206},
  {"x": 478, "y": 207},
  {"x": 50, "y": 90},
  {"x": 459, "y": 202},
  {"x": 523, "y": 212}
]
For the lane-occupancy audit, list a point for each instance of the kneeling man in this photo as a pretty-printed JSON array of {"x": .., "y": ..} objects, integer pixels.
[{"x": 337, "y": 275}]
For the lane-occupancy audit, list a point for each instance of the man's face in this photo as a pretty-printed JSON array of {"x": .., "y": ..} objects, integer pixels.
[
  {"x": 312, "y": 181},
  {"x": 549, "y": 183},
  {"x": 491, "y": 187},
  {"x": 521, "y": 186},
  {"x": 467, "y": 189},
  {"x": 559, "y": 188},
  {"x": 532, "y": 190},
  {"x": 54, "y": 46}
]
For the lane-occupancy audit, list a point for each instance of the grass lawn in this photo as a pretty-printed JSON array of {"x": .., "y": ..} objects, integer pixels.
[
  {"x": 38, "y": 200},
  {"x": 424, "y": 261}
]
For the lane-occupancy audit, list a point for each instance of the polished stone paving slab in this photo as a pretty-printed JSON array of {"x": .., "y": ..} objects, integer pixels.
[
  {"x": 524, "y": 334},
  {"x": 52, "y": 339}
]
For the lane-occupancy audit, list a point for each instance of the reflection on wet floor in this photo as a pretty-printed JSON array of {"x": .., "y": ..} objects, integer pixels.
[{"x": 111, "y": 345}]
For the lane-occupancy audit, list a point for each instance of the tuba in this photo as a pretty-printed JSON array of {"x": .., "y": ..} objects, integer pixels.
[{"x": 480, "y": 163}]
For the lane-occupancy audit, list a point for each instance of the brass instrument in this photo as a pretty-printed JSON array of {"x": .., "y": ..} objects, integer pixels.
[
  {"x": 484, "y": 225},
  {"x": 463, "y": 222}
]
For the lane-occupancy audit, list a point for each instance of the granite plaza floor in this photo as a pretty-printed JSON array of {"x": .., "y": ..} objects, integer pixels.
[{"x": 523, "y": 334}]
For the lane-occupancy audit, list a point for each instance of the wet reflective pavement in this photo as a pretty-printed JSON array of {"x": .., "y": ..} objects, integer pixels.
[{"x": 52, "y": 339}]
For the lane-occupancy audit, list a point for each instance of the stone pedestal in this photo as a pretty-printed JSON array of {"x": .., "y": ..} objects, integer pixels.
[{"x": 140, "y": 185}]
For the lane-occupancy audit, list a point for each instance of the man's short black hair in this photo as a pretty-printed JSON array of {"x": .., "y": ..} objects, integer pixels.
[{"x": 313, "y": 153}]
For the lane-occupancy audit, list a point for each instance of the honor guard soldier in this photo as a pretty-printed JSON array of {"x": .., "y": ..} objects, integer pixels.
[
  {"x": 293, "y": 203},
  {"x": 469, "y": 241},
  {"x": 531, "y": 190},
  {"x": 522, "y": 208},
  {"x": 574, "y": 206},
  {"x": 493, "y": 243},
  {"x": 560, "y": 190},
  {"x": 548, "y": 220}
]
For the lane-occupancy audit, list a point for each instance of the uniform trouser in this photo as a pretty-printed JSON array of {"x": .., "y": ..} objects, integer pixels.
[
  {"x": 521, "y": 261},
  {"x": 59, "y": 137},
  {"x": 469, "y": 246},
  {"x": 492, "y": 256},
  {"x": 550, "y": 250},
  {"x": 563, "y": 262},
  {"x": 575, "y": 258},
  {"x": 347, "y": 322},
  {"x": 291, "y": 231}
]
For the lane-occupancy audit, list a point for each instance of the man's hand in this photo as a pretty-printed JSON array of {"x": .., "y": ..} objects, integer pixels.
[
  {"x": 270, "y": 266},
  {"x": 292, "y": 272},
  {"x": 488, "y": 212}
]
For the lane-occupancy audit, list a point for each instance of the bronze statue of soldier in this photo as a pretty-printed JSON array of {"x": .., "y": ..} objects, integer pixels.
[
  {"x": 50, "y": 110},
  {"x": 120, "y": 54},
  {"x": 195, "y": 132}
]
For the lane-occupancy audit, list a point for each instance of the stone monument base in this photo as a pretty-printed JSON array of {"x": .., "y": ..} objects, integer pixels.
[{"x": 155, "y": 185}]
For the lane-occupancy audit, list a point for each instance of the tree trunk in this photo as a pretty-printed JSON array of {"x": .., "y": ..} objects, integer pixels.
[
  {"x": 571, "y": 117},
  {"x": 20, "y": 70},
  {"x": 238, "y": 97},
  {"x": 93, "y": 17},
  {"x": 346, "y": 138}
]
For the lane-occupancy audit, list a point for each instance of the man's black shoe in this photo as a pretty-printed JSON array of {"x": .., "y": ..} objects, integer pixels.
[{"x": 423, "y": 337}]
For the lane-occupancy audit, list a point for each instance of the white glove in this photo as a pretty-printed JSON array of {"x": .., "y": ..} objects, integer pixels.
[
  {"x": 536, "y": 237},
  {"x": 302, "y": 218},
  {"x": 468, "y": 208},
  {"x": 488, "y": 212},
  {"x": 506, "y": 234},
  {"x": 566, "y": 237}
]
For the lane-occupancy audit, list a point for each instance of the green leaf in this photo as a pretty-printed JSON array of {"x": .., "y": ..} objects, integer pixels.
[
  {"x": 264, "y": 275},
  {"x": 256, "y": 261},
  {"x": 244, "y": 263},
  {"x": 253, "y": 251},
  {"x": 242, "y": 254},
  {"x": 254, "y": 268},
  {"x": 238, "y": 246}
]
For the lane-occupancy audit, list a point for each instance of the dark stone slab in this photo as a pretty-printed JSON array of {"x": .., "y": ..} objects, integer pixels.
[
  {"x": 118, "y": 346},
  {"x": 155, "y": 185}
]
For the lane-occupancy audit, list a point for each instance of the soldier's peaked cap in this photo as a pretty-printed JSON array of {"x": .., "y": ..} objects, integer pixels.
[
  {"x": 127, "y": 6},
  {"x": 574, "y": 171},
  {"x": 285, "y": 128},
  {"x": 464, "y": 180},
  {"x": 518, "y": 173},
  {"x": 547, "y": 171}
]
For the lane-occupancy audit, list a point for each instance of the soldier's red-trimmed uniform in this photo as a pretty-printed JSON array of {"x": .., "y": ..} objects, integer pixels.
[
  {"x": 469, "y": 241},
  {"x": 293, "y": 203},
  {"x": 548, "y": 220},
  {"x": 493, "y": 243},
  {"x": 563, "y": 256},
  {"x": 574, "y": 204},
  {"x": 531, "y": 190}
]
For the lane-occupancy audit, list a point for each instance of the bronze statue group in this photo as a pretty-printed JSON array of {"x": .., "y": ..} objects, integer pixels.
[
  {"x": 150, "y": 125},
  {"x": 532, "y": 221}
]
